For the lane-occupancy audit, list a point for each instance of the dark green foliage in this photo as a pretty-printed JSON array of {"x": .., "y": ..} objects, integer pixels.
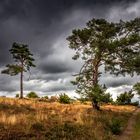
[
  {"x": 46, "y": 97},
  {"x": 64, "y": 98},
  {"x": 125, "y": 98},
  {"x": 107, "y": 98},
  {"x": 22, "y": 55},
  {"x": 32, "y": 95},
  {"x": 114, "y": 45},
  {"x": 17, "y": 95},
  {"x": 98, "y": 95},
  {"x": 136, "y": 87},
  {"x": 12, "y": 70},
  {"x": 115, "y": 126}
]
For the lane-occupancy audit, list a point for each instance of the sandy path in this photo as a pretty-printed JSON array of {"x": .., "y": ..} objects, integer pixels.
[{"x": 126, "y": 135}]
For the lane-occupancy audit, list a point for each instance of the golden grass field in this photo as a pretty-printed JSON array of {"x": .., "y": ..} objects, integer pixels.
[{"x": 33, "y": 120}]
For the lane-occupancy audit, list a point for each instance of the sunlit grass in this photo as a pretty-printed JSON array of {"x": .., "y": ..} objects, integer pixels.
[{"x": 32, "y": 119}]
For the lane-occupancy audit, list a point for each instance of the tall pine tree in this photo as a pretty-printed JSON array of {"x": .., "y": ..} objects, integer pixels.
[
  {"x": 23, "y": 62},
  {"x": 107, "y": 44}
]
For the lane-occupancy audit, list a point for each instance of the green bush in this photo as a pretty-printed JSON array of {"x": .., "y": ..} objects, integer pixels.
[
  {"x": 115, "y": 126},
  {"x": 17, "y": 95},
  {"x": 32, "y": 95},
  {"x": 46, "y": 97},
  {"x": 64, "y": 98}
]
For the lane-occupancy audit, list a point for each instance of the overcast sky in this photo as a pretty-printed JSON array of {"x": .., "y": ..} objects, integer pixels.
[{"x": 44, "y": 25}]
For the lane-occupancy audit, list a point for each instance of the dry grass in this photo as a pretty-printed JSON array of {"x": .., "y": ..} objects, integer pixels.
[
  {"x": 136, "y": 131},
  {"x": 31, "y": 119},
  {"x": 120, "y": 108}
]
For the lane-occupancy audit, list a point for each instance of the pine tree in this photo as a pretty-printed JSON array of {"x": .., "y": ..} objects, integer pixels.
[
  {"x": 106, "y": 44},
  {"x": 23, "y": 62}
]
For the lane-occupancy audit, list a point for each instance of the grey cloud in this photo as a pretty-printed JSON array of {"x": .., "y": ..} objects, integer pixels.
[
  {"x": 116, "y": 81},
  {"x": 44, "y": 26}
]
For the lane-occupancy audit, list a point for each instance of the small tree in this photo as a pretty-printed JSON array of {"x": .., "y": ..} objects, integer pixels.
[
  {"x": 24, "y": 61},
  {"x": 32, "y": 95},
  {"x": 101, "y": 43},
  {"x": 125, "y": 98}
]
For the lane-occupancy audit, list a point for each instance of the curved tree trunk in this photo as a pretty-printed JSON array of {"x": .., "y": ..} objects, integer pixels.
[{"x": 95, "y": 104}]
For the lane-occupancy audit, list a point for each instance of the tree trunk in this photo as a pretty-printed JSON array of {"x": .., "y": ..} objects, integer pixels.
[
  {"x": 96, "y": 106},
  {"x": 95, "y": 82},
  {"x": 21, "y": 85},
  {"x": 95, "y": 76},
  {"x": 95, "y": 71},
  {"x": 21, "y": 82}
]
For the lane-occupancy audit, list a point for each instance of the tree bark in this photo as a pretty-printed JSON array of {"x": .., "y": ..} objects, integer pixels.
[
  {"x": 95, "y": 76},
  {"x": 21, "y": 85},
  {"x": 95, "y": 82},
  {"x": 21, "y": 82}
]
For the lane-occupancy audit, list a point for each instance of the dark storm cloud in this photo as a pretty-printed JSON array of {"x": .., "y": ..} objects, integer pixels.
[
  {"x": 44, "y": 26},
  {"x": 34, "y": 21},
  {"x": 45, "y": 10},
  {"x": 55, "y": 67}
]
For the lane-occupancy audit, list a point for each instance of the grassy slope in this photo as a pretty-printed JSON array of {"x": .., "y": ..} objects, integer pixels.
[
  {"x": 136, "y": 132},
  {"x": 30, "y": 119}
]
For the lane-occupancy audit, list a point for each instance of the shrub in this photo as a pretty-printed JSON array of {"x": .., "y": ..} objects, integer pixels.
[
  {"x": 64, "y": 98},
  {"x": 46, "y": 97},
  {"x": 17, "y": 95},
  {"x": 32, "y": 95},
  {"x": 115, "y": 126}
]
